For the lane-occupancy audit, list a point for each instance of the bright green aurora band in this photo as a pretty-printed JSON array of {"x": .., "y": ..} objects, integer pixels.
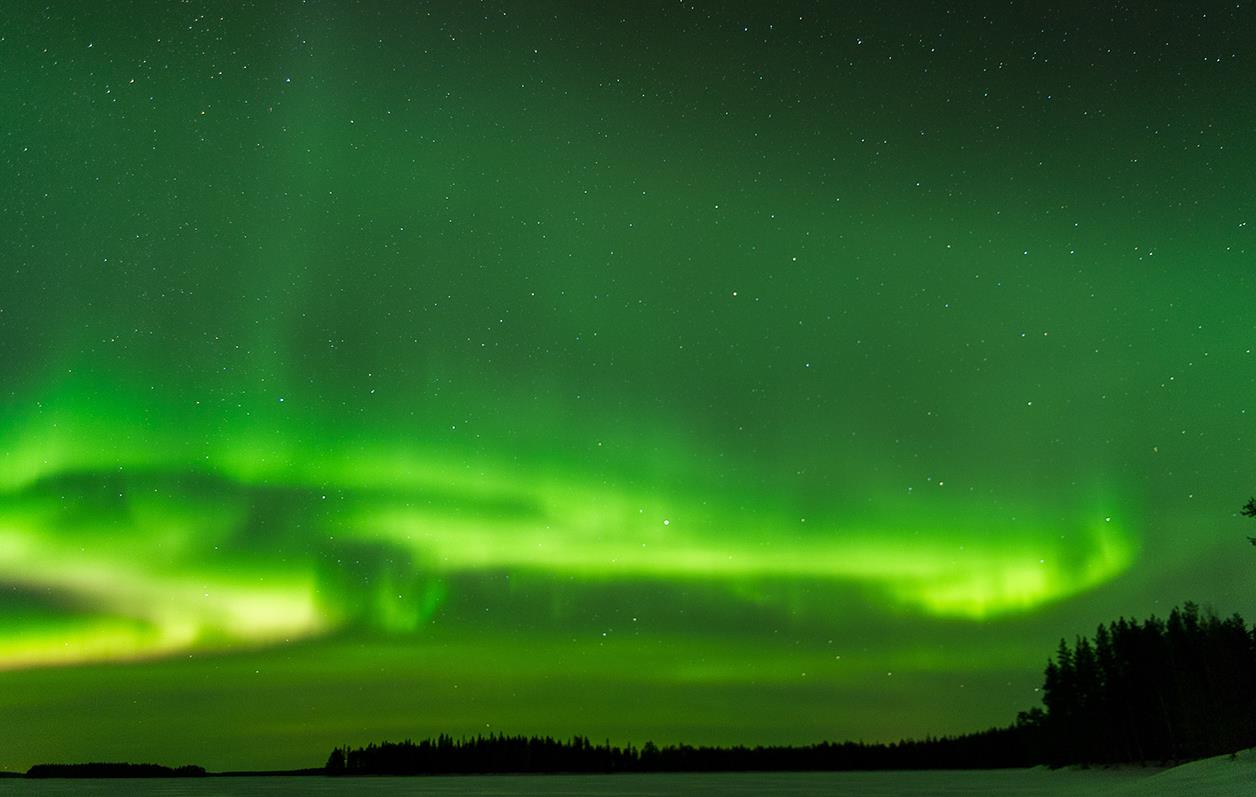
[{"x": 694, "y": 373}]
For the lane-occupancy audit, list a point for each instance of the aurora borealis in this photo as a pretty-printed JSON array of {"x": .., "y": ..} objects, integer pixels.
[{"x": 678, "y": 371}]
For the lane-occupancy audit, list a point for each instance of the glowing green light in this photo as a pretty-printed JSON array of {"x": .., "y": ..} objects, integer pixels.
[{"x": 260, "y": 554}]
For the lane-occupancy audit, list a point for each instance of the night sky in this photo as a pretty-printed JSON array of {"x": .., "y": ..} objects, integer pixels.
[{"x": 676, "y": 371}]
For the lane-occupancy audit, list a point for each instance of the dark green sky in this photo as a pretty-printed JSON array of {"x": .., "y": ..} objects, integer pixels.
[{"x": 674, "y": 370}]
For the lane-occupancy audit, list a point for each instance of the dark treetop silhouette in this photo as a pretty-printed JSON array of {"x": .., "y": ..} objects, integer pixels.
[
  {"x": 1150, "y": 691},
  {"x": 112, "y": 770}
]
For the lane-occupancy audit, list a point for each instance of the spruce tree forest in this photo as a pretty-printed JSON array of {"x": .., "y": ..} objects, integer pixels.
[{"x": 1155, "y": 691}]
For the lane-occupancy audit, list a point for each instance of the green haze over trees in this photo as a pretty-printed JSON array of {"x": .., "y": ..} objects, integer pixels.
[{"x": 1150, "y": 691}]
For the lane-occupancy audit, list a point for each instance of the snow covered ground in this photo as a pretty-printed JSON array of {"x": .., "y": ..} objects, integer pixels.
[{"x": 1212, "y": 777}]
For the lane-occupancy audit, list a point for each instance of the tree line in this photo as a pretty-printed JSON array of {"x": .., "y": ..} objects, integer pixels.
[
  {"x": 1158, "y": 690},
  {"x": 113, "y": 770},
  {"x": 492, "y": 754},
  {"x": 1150, "y": 691}
]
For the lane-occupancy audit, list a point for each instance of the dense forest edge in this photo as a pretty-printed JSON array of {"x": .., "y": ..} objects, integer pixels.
[
  {"x": 1156, "y": 691},
  {"x": 1149, "y": 692}
]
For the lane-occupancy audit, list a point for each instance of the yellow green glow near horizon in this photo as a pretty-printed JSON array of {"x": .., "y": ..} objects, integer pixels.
[
  {"x": 733, "y": 373},
  {"x": 158, "y": 543}
]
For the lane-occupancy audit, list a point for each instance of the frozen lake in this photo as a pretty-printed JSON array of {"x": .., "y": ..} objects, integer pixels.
[
  {"x": 1223, "y": 775},
  {"x": 1003, "y": 782}
]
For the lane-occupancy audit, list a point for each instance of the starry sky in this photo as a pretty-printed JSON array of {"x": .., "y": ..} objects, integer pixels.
[{"x": 707, "y": 372}]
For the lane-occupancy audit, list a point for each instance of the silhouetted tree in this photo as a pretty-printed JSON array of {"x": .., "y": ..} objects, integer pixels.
[
  {"x": 336, "y": 762},
  {"x": 1160, "y": 690},
  {"x": 1014, "y": 746},
  {"x": 1151, "y": 691}
]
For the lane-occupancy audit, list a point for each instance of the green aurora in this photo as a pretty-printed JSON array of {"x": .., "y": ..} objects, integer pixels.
[{"x": 675, "y": 371}]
